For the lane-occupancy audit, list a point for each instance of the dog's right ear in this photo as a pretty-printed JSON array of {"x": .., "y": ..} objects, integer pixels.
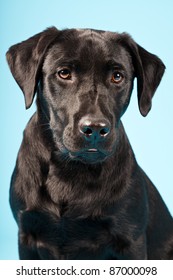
[{"x": 25, "y": 60}]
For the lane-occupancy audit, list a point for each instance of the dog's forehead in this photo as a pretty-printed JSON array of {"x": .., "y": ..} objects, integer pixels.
[
  {"x": 87, "y": 47},
  {"x": 93, "y": 34},
  {"x": 73, "y": 42},
  {"x": 88, "y": 34}
]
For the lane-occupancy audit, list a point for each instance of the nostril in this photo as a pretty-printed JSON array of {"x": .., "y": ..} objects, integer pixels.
[
  {"x": 104, "y": 131},
  {"x": 87, "y": 131}
]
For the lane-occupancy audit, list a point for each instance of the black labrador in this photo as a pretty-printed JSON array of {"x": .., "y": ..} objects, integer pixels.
[{"x": 77, "y": 191}]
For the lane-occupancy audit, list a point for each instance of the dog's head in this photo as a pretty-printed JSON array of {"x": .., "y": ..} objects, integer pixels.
[{"x": 84, "y": 80}]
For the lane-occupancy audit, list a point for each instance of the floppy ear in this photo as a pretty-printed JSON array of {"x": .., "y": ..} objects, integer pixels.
[
  {"x": 25, "y": 60},
  {"x": 149, "y": 70}
]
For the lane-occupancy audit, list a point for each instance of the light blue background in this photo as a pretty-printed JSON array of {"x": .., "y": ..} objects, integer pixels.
[{"x": 151, "y": 24}]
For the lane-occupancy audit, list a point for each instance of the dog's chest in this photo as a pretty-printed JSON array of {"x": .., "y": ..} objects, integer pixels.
[
  {"x": 76, "y": 198},
  {"x": 89, "y": 238},
  {"x": 87, "y": 226}
]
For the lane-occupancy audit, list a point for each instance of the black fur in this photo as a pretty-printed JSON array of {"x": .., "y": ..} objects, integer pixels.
[{"x": 77, "y": 191}]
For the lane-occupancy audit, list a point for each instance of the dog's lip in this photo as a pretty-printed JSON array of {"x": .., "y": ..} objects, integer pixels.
[
  {"x": 88, "y": 151},
  {"x": 91, "y": 156},
  {"x": 93, "y": 150},
  {"x": 87, "y": 155}
]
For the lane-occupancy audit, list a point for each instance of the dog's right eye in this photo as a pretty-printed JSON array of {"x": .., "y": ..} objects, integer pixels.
[{"x": 64, "y": 74}]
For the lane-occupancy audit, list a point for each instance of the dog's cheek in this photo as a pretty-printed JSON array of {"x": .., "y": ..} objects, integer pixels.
[
  {"x": 125, "y": 99},
  {"x": 112, "y": 142},
  {"x": 64, "y": 134},
  {"x": 121, "y": 102},
  {"x": 71, "y": 139},
  {"x": 57, "y": 126}
]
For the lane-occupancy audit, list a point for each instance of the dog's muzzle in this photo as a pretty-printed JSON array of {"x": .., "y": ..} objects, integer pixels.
[{"x": 94, "y": 132}]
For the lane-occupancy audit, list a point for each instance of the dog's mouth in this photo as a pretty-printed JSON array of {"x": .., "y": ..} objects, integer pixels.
[{"x": 90, "y": 156}]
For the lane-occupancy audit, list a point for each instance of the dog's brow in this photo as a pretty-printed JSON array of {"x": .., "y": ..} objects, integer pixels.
[
  {"x": 114, "y": 64},
  {"x": 67, "y": 61}
]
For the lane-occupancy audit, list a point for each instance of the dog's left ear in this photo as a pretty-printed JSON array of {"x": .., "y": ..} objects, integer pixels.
[
  {"x": 25, "y": 60},
  {"x": 149, "y": 70}
]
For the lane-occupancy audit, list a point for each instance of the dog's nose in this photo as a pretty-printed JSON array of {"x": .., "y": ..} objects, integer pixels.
[{"x": 94, "y": 129}]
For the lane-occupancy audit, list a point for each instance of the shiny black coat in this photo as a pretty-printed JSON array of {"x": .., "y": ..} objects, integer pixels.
[{"x": 77, "y": 191}]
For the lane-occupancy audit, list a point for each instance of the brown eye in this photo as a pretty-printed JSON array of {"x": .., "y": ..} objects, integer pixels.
[
  {"x": 65, "y": 74},
  {"x": 117, "y": 77}
]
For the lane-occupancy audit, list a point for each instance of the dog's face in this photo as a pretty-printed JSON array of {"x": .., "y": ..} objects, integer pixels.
[
  {"x": 87, "y": 82},
  {"x": 86, "y": 79}
]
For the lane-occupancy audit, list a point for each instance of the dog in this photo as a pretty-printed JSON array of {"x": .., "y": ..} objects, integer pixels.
[{"x": 77, "y": 191}]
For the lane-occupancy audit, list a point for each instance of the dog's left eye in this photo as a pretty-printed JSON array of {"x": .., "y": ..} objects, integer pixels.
[
  {"x": 117, "y": 77},
  {"x": 64, "y": 74}
]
